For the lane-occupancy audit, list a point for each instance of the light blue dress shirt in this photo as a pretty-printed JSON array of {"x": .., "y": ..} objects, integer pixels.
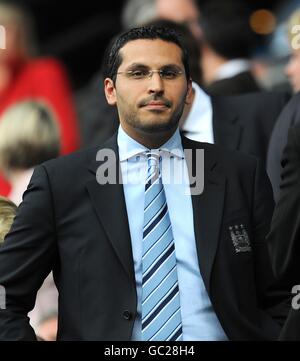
[{"x": 199, "y": 321}]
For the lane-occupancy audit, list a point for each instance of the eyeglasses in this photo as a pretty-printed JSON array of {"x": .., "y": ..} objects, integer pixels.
[{"x": 166, "y": 74}]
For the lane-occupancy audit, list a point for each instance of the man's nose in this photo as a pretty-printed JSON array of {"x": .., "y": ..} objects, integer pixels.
[{"x": 156, "y": 84}]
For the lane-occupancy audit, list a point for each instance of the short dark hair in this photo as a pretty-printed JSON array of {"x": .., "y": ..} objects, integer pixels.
[
  {"x": 226, "y": 29},
  {"x": 113, "y": 58}
]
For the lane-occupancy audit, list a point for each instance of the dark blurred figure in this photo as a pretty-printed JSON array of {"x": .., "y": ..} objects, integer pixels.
[
  {"x": 140, "y": 12},
  {"x": 289, "y": 116},
  {"x": 22, "y": 75},
  {"x": 284, "y": 238},
  {"x": 97, "y": 120},
  {"x": 227, "y": 45}
]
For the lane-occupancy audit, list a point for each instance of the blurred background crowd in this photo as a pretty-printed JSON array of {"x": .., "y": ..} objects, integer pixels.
[{"x": 51, "y": 89}]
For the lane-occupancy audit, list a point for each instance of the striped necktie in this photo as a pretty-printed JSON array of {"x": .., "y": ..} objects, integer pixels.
[{"x": 161, "y": 316}]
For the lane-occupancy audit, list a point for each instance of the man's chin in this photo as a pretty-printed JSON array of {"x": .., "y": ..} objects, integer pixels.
[{"x": 157, "y": 127}]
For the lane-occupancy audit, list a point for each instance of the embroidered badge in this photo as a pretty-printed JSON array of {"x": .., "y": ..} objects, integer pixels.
[{"x": 240, "y": 238}]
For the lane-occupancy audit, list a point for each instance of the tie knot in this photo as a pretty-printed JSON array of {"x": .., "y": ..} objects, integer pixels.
[{"x": 153, "y": 158}]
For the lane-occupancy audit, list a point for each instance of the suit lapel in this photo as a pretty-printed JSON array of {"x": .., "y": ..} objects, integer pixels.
[
  {"x": 227, "y": 130},
  {"x": 208, "y": 211},
  {"x": 109, "y": 203}
]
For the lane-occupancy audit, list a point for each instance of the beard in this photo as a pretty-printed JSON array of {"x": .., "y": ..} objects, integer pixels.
[{"x": 154, "y": 121}]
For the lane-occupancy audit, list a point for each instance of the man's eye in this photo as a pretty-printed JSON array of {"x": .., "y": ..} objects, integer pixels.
[
  {"x": 137, "y": 74},
  {"x": 169, "y": 74}
]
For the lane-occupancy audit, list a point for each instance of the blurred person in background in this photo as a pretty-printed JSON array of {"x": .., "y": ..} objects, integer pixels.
[
  {"x": 140, "y": 12},
  {"x": 290, "y": 116},
  {"x": 23, "y": 75},
  {"x": 29, "y": 136},
  {"x": 227, "y": 44}
]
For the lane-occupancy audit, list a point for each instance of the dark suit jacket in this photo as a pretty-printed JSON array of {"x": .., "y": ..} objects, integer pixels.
[
  {"x": 284, "y": 237},
  {"x": 289, "y": 116},
  {"x": 241, "y": 83},
  {"x": 245, "y": 122},
  {"x": 79, "y": 228}
]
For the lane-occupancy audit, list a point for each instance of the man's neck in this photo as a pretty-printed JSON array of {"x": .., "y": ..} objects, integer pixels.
[{"x": 153, "y": 141}]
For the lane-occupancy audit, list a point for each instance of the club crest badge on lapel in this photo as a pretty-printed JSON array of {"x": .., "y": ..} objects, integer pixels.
[{"x": 240, "y": 238}]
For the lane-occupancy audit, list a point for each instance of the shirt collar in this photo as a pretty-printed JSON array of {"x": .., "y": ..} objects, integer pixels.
[
  {"x": 130, "y": 148},
  {"x": 232, "y": 68},
  {"x": 200, "y": 107}
]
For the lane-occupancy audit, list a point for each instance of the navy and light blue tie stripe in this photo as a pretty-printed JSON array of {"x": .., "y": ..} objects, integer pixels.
[{"x": 161, "y": 316}]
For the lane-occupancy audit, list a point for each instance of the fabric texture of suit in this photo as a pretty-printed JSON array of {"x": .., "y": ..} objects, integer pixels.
[
  {"x": 241, "y": 83},
  {"x": 284, "y": 238},
  {"x": 71, "y": 224},
  {"x": 245, "y": 122},
  {"x": 289, "y": 116}
]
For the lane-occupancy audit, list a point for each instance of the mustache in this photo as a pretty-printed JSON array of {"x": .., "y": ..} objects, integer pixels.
[{"x": 155, "y": 98}]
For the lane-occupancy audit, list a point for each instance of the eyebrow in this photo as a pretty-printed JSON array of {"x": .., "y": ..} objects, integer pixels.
[{"x": 141, "y": 65}]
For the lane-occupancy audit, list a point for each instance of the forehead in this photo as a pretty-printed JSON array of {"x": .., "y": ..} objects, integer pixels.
[{"x": 153, "y": 53}]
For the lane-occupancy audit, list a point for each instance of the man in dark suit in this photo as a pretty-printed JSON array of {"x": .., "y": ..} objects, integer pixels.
[
  {"x": 284, "y": 238},
  {"x": 93, "y": 234},
  {"x": 289, "y": 116}
]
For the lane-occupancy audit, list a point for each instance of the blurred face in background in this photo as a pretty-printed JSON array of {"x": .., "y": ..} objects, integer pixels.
[
  {"x": 292, "y": 70},
  {"x": 16, "y": 27},
  {"x": 13, "y": 42},
  {"x": 181, "y": 11}
]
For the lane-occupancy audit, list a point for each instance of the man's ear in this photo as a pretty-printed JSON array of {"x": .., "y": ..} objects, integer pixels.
[
  {"x": 110, "y": 92},
  {"x": 189, "y": 93}
]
